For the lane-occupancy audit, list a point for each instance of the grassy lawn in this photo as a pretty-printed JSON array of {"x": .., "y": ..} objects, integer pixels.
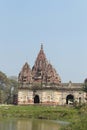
[
  {"x": 39, "y": 112},
  {"x": 76, "y": 115}
]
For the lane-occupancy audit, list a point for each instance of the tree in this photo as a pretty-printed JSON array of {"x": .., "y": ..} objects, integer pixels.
[
  {"x": 13, "y": 89},
  {"x": 85, "y": 88},
  {"x": 8, "y": 88},
  {"x": 4, "y": 87},
  {"x": 3, "y": 78}
]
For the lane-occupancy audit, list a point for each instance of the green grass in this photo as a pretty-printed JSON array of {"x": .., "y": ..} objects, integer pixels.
[
  {"x": 78, "y": 121},
  {"x": 38, "y": 112},
  {"x": 77, "y": 116}
]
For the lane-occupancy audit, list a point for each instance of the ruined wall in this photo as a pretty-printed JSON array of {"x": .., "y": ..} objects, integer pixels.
[
  {"x": 57, "y": 95},
  {"x": 25, "y": 97}
]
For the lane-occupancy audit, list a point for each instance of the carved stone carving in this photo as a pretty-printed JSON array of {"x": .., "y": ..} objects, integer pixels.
[
  {"x": 25, "y": 76},
  {"x": 42, "y": 71}
]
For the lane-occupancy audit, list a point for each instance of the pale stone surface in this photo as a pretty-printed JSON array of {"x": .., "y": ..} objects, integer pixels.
[
  {"x": 25, "y": 97},
  {"x": 53, "y": 96}
]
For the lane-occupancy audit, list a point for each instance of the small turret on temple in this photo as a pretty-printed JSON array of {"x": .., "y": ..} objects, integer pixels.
[
  {"x": 41, "y": 72},
  {"x": 25, "y": 76}
]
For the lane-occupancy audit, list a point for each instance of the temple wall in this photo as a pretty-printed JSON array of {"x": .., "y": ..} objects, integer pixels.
[
  {"x": 25, "y": 97},
  {"x": 51, "y": 95}
]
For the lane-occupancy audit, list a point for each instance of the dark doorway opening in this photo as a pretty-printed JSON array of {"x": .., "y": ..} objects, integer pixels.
[
  {"x": 69, "y": 99},
  {"x": 15, "y": 99},
  {"x": 79, "y": 100},
  {"x": 36, "y": 99}
]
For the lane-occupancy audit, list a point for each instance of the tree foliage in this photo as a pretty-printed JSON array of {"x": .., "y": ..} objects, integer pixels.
[
  {"x": 3, "y": 78},
  {"x": 8, "y": 87},
  {"x": 85, "y": 87}
]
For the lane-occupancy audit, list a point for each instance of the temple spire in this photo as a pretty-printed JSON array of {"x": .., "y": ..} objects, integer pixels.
[{"x": 41, "y": 46}]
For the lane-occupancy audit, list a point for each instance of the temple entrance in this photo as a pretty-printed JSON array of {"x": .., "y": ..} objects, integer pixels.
[
  {"x": 69, "y": 99},
  {"x": 36, "y": 99},
  {"x": 79, "y": 100}
]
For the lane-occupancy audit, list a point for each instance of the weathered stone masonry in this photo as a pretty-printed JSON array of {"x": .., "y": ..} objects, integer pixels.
[{"x": 42, "y": 84}]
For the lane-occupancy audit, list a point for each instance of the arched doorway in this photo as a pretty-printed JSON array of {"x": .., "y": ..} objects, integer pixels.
[
  {"x": 70, "y": 99},
  {"x": 79, "y": 100},
  {"x": 36, "y": 99}
]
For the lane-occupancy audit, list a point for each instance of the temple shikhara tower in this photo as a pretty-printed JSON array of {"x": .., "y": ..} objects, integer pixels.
[
  {"x": 42, "y": 84},
  {"x": 25, "y": 76},
  {"x": 41, "y": 72}
]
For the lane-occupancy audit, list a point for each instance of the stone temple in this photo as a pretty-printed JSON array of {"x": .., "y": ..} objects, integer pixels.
[{"x": 42, "y": 84}]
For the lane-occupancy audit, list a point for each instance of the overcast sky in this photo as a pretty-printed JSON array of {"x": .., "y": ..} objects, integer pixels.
[{"x": 61, "y": 25}]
